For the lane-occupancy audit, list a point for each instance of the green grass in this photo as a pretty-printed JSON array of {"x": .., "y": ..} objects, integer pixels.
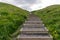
[
  {"x": 11, "y": 19},
  {"x": 51, "y": 18}
]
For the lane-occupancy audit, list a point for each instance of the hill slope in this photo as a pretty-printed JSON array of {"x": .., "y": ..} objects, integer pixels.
[
  {"x": 51, "y": 19},
  {"x": 11, "y": 18}
]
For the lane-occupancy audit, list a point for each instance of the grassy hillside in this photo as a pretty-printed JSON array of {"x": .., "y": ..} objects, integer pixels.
[
  {"x": 11, "y": 19},
  {"x": 51, "y": 18}
]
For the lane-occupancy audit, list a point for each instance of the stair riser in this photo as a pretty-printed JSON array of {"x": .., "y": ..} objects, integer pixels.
[
  {"x": 33, "y": 22},
  {"x": 34, "y": 32},
  {"x": 33, "y": 19},
  {"x": 32, "y": 26}
]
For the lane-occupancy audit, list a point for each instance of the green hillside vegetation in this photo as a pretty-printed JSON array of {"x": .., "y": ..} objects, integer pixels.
[
  {"x": 11, "y": 19},
  {"x": 51, "y": 18}
]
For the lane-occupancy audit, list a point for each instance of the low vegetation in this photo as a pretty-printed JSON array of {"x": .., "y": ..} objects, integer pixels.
[
  {"x": 11, "y": 18},
  {"x": 51, "y": 18}
]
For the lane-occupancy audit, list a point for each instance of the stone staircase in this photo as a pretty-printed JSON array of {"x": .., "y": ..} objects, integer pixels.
[{"x": 34, "y": 29}]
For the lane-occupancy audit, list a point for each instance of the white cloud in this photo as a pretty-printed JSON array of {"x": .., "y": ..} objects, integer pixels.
[{"x": 31, "y": 5}]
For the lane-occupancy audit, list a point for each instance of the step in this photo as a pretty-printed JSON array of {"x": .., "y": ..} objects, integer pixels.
[
  {"x": 33, "y": 25},
  {"x": 33, "y": 19},
  {"x": 34, "y": 30},
  {"x": 33, "y": 22},
  {"x": 34, "y": 37}
]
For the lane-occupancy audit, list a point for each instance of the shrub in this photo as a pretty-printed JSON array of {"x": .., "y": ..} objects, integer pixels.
[
  {"x": 51, "y": 18},
  {"x": 11, "y": 18}
]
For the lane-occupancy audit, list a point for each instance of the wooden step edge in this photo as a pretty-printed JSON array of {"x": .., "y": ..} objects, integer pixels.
[
  {"x": 34, "y": 24},
  {"x": 33, "y": 29},
  {"x": 33, "y": 21},
  {"x": 35, "y": 36}
]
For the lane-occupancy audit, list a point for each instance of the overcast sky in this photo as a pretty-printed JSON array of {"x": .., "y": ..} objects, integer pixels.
[{"x": 32, "y": 5}]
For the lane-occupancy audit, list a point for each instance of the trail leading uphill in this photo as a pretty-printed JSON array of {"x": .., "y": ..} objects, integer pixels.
[{"x": 34, "y": 29}]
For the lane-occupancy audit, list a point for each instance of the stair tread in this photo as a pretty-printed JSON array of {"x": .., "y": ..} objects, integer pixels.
[
  {"x": 33, "y": 22},
  {"x": 34, "y": 26},
  {"x": 33, "y": 29},
  {"x": 34, "y": 36}
]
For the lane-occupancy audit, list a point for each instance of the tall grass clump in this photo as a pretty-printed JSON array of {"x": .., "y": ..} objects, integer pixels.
[{"x": 11, "y": 19}]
